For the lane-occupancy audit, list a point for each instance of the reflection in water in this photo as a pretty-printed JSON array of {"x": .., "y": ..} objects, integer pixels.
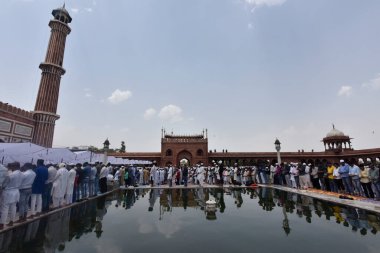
[{"x": 43, "y": 236}]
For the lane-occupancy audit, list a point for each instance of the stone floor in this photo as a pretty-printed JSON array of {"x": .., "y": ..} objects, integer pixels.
[{"x": 358, "y": 202}]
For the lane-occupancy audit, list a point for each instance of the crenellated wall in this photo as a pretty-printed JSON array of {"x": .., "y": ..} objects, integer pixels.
[{"x": 16, "y": 125}]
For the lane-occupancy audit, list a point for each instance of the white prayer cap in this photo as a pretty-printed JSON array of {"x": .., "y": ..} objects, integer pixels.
[
  {"x": 369, "y": 160},
  {"x": 309, "y": 164},
  {"x": 377, "y": 160},
  {"x": 220, "y": 162},
  {"x": 62, "y": 165},
  {"x": 360, "y": 161},
  {"x": 341, "y": 161},
  {"x": 304, "y": 164},
  {"x": 276, "y": 163}
]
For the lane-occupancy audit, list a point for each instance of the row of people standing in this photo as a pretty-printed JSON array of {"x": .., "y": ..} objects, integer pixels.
[
  {"x": 350, "y": 177},
  {"x": 46, "y": 187}
]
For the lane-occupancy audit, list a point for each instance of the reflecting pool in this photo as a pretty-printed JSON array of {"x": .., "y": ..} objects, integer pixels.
[{"x": 180, "y": 220}]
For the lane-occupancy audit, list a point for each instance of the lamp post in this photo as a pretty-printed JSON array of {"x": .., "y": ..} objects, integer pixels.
[
  {"x": 106, "y": 146},
  {"x": 277, "y": 145}
]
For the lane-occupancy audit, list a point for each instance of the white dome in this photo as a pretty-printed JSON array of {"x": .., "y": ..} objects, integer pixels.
[{"x": 335, "y": 132}]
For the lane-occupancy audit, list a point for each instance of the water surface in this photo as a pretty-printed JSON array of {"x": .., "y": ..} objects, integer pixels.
[{"x": 178, "y": 220}]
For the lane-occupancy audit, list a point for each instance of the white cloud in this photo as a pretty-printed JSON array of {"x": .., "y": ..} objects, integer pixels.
[
  {"x": 88, "y": 95},
  {"x": 88, "y": 9},
  {"x": 171, "y": 113},
  {"x": 258, "y": 3},
  {"x": 149, "y": 113},
  {"x": 74, "y": 10},
  {"x": 374, "y": 83},
  {"x": 250, "y": 26},
  {"x": 119, "y": 96},
  {"x": 345, "y": 91}
]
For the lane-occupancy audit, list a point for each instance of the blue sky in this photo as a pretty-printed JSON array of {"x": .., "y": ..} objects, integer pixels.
[{"x": 248, "y": 70}]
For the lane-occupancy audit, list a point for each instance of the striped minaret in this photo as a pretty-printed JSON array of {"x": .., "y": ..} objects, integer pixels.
[{"x": 45, "y": 111}]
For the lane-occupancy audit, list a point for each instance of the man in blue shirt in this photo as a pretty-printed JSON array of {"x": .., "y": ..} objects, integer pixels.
[
  {"x": 86, "y": 180},
  {"x": 344, "y": 171},
  {"x": 38, "y": 187}
]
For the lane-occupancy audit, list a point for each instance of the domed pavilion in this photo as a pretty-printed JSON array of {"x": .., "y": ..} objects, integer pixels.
[{"x": 337, "y": 141}]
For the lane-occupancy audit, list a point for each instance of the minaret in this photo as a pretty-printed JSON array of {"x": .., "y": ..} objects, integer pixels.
[{"x": 45, "y": 111}]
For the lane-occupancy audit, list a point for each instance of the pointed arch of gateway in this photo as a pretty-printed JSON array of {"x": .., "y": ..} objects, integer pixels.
[{"x": 184, "y": 154}]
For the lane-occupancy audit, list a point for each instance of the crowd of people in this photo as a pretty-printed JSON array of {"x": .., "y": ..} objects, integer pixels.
[{"x": 40, "y": 187}]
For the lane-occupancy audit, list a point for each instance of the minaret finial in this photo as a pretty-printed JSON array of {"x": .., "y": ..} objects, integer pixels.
[
  {"x": 64, "y": 4},
  {"x": 333, "y": 126}
]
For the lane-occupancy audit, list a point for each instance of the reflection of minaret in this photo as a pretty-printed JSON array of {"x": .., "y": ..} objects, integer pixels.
[{"x": 45, "y": 111}]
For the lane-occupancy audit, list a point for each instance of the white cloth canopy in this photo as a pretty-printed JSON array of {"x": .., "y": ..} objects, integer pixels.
[{"x": 30, "y": 153}]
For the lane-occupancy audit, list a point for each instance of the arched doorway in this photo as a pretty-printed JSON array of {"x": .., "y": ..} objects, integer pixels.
[{"x": 184, "y": 154}]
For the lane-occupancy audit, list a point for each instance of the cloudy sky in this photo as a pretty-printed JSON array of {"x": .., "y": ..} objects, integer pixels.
[{"x": 248, "y": 70}]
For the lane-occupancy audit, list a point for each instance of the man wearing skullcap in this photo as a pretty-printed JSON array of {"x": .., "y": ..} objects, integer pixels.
[{"x": 59, "y": 186}]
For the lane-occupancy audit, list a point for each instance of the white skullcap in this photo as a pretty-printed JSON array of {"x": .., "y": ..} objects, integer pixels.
[
  {"x": 62, "y": 165},
  {"x": 360, "y": 161},
  {"x": 341, "y": 161},
  {"x": 377, "y": 160},
  {"x": 369, "y": 160},
  {"x": 304, "y": 164}
]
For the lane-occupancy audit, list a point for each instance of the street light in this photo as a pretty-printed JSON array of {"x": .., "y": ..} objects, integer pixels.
[
  {"x": 106, "y": 146},
  {"x": 277, "y": 145}
]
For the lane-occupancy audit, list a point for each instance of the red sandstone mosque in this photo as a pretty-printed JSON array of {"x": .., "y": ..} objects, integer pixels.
[{"x": 18, "y": 125}]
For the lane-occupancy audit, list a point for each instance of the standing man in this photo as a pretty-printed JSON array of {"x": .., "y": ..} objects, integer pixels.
[
  {"x": 11, "y": 194},
  {"x": 344, "y": 171},
  {"x": 86, "y": 180},
  {"x": 374, "y": 178},
  {"x": 170, "y": 175},
  {"x": 60, "y": 186},
  {"x": 355, "y": 178},
  {"x": 201, "y": 174},
  {"x": 185, "y": 174},
  {"x": 153, "y": 172},
  {"x": 25, "y": 190},
  {"x": 4, "y": 178},
  {"x": 38, "y": 187},
  {"x": 103, "y": 179},
  {"x": 70, "y": 184},
  {"x": 330, "y": 176},
  {"x": 93, "y": 181},
  {"x": 46, "y": 197}
]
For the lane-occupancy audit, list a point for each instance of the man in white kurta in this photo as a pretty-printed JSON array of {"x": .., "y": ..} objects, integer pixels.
[
  {"x": 170, "y": 175},
  {"x": 153, "y": 172},
  {"x": 70, "y": 185},
  {"x": 11, "y": 194},
  {"x": 25, "y": 190},
  {"x": 60, "y": 185},
  {"x": 200, "y": 174}
]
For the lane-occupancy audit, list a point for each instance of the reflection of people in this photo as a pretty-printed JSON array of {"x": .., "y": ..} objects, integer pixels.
[
  {"x": 152, "y": 199},
  {"x": 5, "y": 240},
  {"x": 185, "y": 198},
  {"x": 100, "y": 212}
]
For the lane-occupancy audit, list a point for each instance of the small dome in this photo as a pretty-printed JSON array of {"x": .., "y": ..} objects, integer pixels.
[
  {"x": 62, "y": 11},
  {"x": 334, "y": 132}
]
